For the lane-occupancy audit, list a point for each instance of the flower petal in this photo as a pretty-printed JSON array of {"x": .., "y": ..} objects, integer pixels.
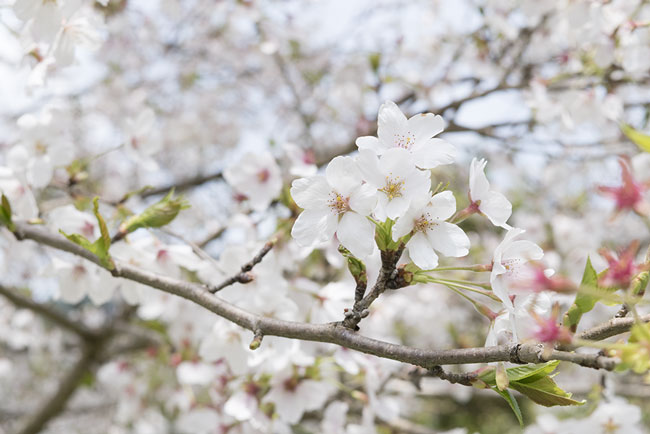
[
  {"x": 357, "y": 234},
  {"x": 368, "y": 164},
  {"x": 403, "y": 225},
  {"x": 425, "y": 125},
  {"x": 478, "y": 182},
  {"x": 433, "y": 152},
  {"x": 523, "y": 249},
  {"x": 343, "y": 174},
  {"x": 313, "y": 226},
  {"x": 396, "y": 207},
  {"x": 363, "y": 199},
  {"x": 310, "y": 193},
  {"x": 442, "y": 205},
  {"x": 496, "y": 208},
  {"x": 421, "y": 252},
  {"x": 449, "y": 239},
  {"x": 372, "y": 143},
  {"x": 391, "y": 124}
]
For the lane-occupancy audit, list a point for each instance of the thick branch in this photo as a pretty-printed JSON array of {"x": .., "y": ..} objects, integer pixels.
[
  {"x": 613, "y": 327},
  {"x": 57, "y": 402},
  {"x": 332, "y": 333}
]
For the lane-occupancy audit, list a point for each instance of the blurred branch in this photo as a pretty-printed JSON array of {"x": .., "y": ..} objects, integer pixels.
[
  {"x": 69, "y": 383},
  {"x": 333, "y": 333},
  {"x": 47, "y": 312}
]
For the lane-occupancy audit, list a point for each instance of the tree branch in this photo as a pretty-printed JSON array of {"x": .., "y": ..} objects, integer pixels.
[
  {"x": 245, "y": 276},
  {"x": 333, "y": 333},
  {"x": 51, "y": 314},
  {"x": 69, "y": 383}
]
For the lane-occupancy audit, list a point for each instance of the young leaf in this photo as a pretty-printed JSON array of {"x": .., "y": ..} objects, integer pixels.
[
  {"x": 640, "y": 139},
  {"x": 5, "y": 214},
  {"x": 544, "y": 392},
  {"x": 583, "y": 302},
  {"x": 100, "y": 247},
  {"x": 522, "y": 373},
  {"x": 157, "y": 215},
  {"x": 507, "y": 395}
]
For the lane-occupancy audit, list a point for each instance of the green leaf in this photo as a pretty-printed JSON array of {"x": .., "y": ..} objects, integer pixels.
[
  {"x": 157, "y": 215},
  {"x": 355, "y": 265},
  {"x": 507, "y": 395},
  {"x": 640, "y": 139},
  {"x": 522, "y": 373},
  {"x": 5, "y": 214},
  {"x": 384, "y": 235},
  {"x": 100, "y": 247},
  {"x": 583, "y": 302},
  {"x": 544, "y": 392}
]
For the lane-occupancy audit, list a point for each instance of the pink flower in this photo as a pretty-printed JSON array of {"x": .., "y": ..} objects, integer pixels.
[
  {"x": 628, "y": 196},
  {"x": 548, "y": 330},
  {"x": 622, "y": 269}
]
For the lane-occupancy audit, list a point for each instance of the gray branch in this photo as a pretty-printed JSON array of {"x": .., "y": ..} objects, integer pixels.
[{"x": 333, "y": 333}]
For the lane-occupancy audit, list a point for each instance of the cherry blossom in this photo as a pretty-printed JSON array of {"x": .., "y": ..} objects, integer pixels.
[
  {"x": 335, "y": 203},
  {"x": 414, "y": 135},
  {"x": 509, "y": 256},
  {"x": 396, "y": 180},
  {"x": 256, "y": 177},
  {"x": 490, "y": 203},
  {"x": 426, "y": 221}
]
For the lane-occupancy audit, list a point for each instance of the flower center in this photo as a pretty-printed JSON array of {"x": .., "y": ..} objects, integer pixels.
[
  {"x": 338, "y": 204},
  {"x": 423, "y": 223},
  {"x": 393, "y": 187},
  {"x": 263, "y": 175},
  {"x": 404, "y": 141}
]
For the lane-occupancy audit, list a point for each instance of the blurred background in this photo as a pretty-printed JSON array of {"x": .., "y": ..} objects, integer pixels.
[{"x": 173, "y": 92}]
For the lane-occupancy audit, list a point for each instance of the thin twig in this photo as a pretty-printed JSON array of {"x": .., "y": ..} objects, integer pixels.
[{"x": 245, "y": 275}]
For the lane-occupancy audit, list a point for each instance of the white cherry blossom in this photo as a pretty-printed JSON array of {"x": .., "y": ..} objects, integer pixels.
[
  {"x": 396, "y": 180},
  {"x": 338, "y": 203},
  {"x": 414, "y": 135},
  {"x": 426, "y": 220},
  {"x": 256, "y": 177},
  {"x": 490, "y": 203},
  {"x": 509, "y": 256}
]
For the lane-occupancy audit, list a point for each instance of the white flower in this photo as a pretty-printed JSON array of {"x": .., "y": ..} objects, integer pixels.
[
  {"x": 198, "y": 421},
  {"x": 426, "y": 219},
  {"x": 508, "y": 258},
  {"x": 21, "y": 198},
  {"x": 335, "y": 203},
  {"x": 229, "y": 342},
  {"x": 142, "y": 135},
  {"x": 396, "y": 179},
  {"x": 76, "y": 31},
  {"x": 414, "y": 135},
  {"x": 81, "y": 278},
  {"x": 293, "y": 396},
  {"x": 256, "y": 177},
  {"x": 46, "y": 16},
  {"x": 492, "y": 204}
]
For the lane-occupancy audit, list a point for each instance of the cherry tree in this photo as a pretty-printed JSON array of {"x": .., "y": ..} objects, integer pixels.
[{"x": 249, "y": 217}]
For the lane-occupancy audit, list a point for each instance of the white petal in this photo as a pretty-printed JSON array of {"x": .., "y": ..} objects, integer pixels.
[
  {"x": 523, "y": 249},
  {"x": 442, "y": 205},
  {"x": 425, "y": 125},
  {"x": 343, "y": 174},
  {"x": 372, "y": 143},
  {"x": 433, "y": 152},
  {"x": 500, "y": 290},
  {"x": 396, "y": 207},
  {"x": 421, "y": 252},
  {"x": 403, "y": 225},
  {"x": 368, "y": 164},
  {"x": 391, "y": 123},
  {"x": 313, "y": 226},
  {"x": 357, "y": 234},
  {"x": 311, "y": 193},
  {"x": 397, "y": 161},
  {"x": 496, "y": 208},
  {"x": 364, "y": 199},
  {"x": 449, "y": 239},
  {"x": 478, "y": 182}
]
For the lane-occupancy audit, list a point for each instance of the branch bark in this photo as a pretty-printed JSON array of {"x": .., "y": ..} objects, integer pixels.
[{"x": 333, "y": 333}]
